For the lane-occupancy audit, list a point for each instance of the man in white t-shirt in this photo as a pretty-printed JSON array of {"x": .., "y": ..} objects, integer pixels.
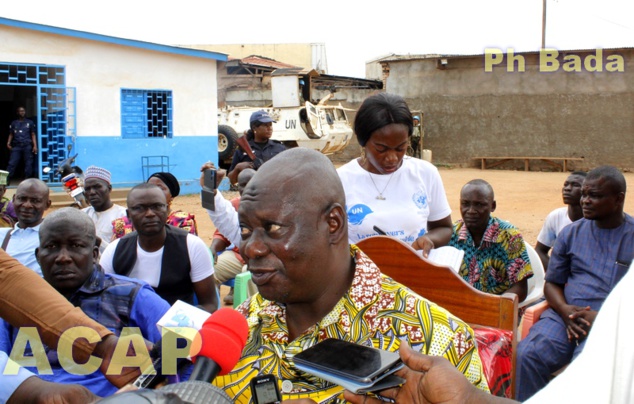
[
  {"x": 175, "y": 263},
  {"x": 561, "y": 217},
  {"x": 97, "y": 187}
]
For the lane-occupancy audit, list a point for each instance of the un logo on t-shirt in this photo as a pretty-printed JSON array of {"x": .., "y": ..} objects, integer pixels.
[
  {"x": 420, "y": 199},
  {"x": 357, "y": 213}
]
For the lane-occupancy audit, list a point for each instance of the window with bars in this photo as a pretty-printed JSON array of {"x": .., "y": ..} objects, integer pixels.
[{"x": 146, "y": 113}]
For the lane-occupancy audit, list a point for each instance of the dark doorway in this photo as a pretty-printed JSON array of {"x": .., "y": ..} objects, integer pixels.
[{"x": 12, "y": 97}]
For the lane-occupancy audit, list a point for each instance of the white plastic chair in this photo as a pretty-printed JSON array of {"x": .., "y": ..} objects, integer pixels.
[{"x": 536, "y": 282}]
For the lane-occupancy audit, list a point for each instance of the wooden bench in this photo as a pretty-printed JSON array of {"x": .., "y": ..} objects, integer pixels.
[
  {"x": 444, "y": 287},
  {"x": 549, "y": 160}
]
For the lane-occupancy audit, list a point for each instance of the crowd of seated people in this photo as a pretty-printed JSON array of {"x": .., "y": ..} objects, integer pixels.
[{"x": 295, "y": 228}]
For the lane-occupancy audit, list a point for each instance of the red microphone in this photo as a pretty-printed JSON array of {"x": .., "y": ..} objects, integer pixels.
[{"x": 223, "y": 335}]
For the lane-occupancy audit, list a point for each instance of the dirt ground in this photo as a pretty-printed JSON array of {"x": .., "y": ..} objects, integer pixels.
[{"x": 523, "y": 198}]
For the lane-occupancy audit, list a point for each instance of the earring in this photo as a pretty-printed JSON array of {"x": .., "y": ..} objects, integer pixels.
[{"x": 363, "y": 155}]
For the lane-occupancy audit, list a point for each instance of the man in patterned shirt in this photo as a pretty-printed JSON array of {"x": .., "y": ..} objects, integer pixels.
[
  {"x": 495, "y": 259},
  {"x": 313, "y": 285}
]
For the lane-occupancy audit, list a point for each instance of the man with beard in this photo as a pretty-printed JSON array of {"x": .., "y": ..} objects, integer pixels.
[
  {"x": 590, "y": 257},
  {"x": 31, "y": 200},
  {"x": 97, "y": 188},
  {"x": 175, "y": 263}
]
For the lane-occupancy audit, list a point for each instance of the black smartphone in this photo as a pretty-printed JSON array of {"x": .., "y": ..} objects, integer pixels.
[
  {"x": 264, "y": 390},
  {"x": 207, "y": 194},
  {"x": 210, "y": 178},
  {"x": 358, "y": 363}
]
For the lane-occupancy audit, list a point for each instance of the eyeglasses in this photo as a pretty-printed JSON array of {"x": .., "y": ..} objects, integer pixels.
[{"x": 155, "y": 207}]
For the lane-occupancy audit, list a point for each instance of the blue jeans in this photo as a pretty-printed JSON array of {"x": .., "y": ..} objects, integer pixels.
[{"x": 21, "y": 152}]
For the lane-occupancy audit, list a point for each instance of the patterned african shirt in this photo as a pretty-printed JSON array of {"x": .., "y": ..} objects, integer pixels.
[
  {"x": 500, "y": 261},
  {"x": 376, "y": 311}
]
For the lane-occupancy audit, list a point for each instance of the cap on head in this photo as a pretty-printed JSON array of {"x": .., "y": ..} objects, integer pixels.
[
  {"x": 261, "y": 116},
  {"x": 170, "y": 181},
  {"x": 3, "y": 177},
  {"x": 416, "y": 117},
  {"x": 99, "y": 173}
]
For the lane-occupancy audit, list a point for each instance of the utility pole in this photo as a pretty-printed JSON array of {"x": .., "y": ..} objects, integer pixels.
[{"x": 544, "y": 25}]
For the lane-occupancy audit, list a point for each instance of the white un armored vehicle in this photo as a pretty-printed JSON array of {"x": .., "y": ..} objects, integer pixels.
[{"x": 321, "y": 126}]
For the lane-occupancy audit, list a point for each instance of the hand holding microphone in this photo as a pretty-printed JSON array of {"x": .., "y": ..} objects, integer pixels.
[{"x": 223, "y": 336}]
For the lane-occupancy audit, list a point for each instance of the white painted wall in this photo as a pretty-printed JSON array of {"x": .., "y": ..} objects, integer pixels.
[{"x": 99, "y": 71}]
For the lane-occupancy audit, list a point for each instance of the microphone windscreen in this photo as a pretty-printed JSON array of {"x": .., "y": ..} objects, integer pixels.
[
  {"x": 224, "y": 335},
  {"x": 198, "y": 392}
]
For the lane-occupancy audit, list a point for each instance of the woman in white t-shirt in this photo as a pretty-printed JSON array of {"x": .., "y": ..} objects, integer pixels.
[{"x": 387, "y": 191}]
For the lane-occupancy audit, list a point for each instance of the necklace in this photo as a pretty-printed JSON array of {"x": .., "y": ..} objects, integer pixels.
[{"x": 380, "y": 195}]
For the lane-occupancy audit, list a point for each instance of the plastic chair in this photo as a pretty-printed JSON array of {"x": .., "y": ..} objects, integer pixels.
[
  {"x": 240, "y": 288},
  {"x": 536, "y": 282}
]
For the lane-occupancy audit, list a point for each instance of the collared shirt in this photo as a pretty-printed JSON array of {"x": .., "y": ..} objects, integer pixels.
[
  {"x": 499, "y": 262},
  {"x": 376, "y": 311},
  {"x": 21, "y": 131},
  {"x": 590, "y": 261},
  {"x": 22, "y": 245},
  {"x": 264, "y": 151},
  {"x": 10, "y": 383},
  {"x": 104, "y": 298}
]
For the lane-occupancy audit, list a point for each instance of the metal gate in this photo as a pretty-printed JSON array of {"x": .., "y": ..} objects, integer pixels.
[{"x": 57, "y": 129}]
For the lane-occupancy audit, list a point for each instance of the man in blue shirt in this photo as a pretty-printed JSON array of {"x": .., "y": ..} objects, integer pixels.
[
  {"x": 590, "y": 257},
  {"x": 26, "y": 387},
  {"x": 31, "y": 200},
  {"x": 22, "y": 144},
  {"x": 68, "y": 257}
]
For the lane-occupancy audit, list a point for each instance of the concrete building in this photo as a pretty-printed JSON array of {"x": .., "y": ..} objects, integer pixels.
[
  {"x": 132, "y": 107},
  {"x": 575, "y": 103},
  {"x": 305, "y": 55}
]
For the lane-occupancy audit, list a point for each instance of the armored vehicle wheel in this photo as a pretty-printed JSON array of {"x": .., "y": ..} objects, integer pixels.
[{"x": 227, "y": 142}]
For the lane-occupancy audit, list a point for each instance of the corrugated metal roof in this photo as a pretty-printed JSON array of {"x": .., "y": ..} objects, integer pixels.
[
  {"x": 266, "y": 62},
  {"x": 113, "y": 40}
]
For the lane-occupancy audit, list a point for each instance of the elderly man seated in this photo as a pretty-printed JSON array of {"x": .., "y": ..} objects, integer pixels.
[
  {"x": 313, "y": 285},
  {"x": 495, "y": 259},
  {"x": 68, "y": 257}
]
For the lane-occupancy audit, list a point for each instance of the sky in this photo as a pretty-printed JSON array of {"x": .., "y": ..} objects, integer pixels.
[{"x": 353, "y": 32}]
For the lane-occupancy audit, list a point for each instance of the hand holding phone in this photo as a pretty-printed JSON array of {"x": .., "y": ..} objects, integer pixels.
[{"x": 208, "y": 193}]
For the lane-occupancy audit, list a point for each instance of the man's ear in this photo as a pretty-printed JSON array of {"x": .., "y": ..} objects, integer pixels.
[
  {"x": 127, "y": 214},
  {"x": 49, "y": 203},
  {"x": 37, "y": 254},
  {"x": 95, "y": 251},
  {"x": 493, "y": 206},
  {"x": 337, "y": 223}
]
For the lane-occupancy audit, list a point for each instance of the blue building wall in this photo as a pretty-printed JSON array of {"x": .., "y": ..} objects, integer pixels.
[{"x": 123, "y": 157}]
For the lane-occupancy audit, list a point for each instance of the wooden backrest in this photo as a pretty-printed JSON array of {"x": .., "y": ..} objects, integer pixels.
[{"x": 441, "y": 285}]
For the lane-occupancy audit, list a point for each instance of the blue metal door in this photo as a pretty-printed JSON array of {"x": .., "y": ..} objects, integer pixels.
[{"x": 57, "y": 129}]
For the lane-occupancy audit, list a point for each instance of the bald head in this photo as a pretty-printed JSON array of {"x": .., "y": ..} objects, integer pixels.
[
  {"x": 31, "y": 200},
  {"x": 301, "y": 175},
  {"x": 484, "y": 186},
  {"x": 34, "y": 184},
  {"x": 295, "y": 232},
  {"x": 70, "y": 218},
  {"x": 244, "y": 177}
]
